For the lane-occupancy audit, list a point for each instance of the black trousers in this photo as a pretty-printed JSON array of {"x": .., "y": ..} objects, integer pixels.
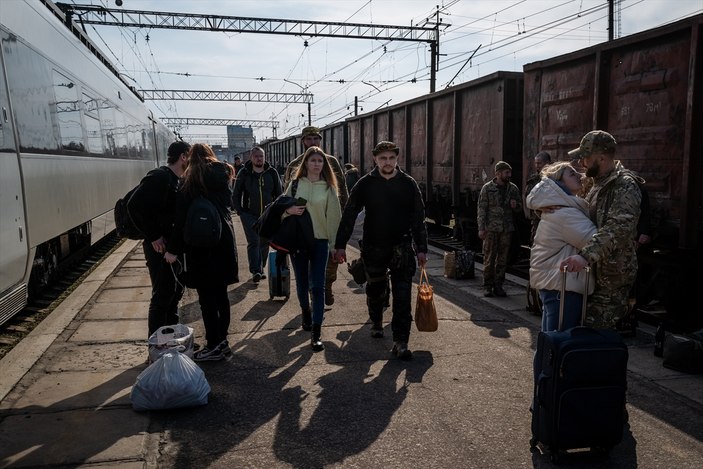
[
  {"x": 214, "y": 306},
  {"x": 165, "y": 291},
  {"x": 398, "y": 262}
]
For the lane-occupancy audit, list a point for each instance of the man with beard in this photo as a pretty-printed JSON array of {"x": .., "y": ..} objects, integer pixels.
[
  {"x": 312, "y": 137},
  {"x": 614, "y": 203},
  {"x": 153, "y": 209},
  {"x": 257, "y": 185},
  {"x": 498, "y": 201},
  {"x": 395, "y": 219}
]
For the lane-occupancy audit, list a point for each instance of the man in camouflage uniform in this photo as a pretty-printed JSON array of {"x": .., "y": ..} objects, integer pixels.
[
  {"x": 498, "y": 201},
  {"x": 313, "y": 137},
  {"x": 615, "y": 209},
  {"x": 541, "y": 160}
]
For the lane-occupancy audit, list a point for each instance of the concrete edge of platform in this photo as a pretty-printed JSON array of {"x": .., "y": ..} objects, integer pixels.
[{"x": 27, "y": 352}]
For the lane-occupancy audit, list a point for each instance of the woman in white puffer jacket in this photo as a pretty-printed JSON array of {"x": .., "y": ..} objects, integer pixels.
[{"x": 564, "y": 228}]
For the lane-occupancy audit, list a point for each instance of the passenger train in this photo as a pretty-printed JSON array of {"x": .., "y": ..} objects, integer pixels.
[{"x": 74, "y": 137}]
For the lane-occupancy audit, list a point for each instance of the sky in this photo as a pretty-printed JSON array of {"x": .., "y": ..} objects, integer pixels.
[{"x": 477, "y": 38}]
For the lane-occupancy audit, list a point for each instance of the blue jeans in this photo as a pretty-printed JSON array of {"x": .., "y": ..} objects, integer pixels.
[
  {"x": 310, "y": 275},
  {"x": 573, "y": 305},
  {"x": 257, "y": 249}
]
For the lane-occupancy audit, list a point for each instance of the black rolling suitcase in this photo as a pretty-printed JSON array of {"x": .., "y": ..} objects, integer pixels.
[
  {"x": 579, "y": 394},
  {"x": 279, "y": 275}
]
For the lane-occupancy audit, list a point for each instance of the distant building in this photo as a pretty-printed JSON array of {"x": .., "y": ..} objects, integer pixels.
[{"x": 239, "y": 138}]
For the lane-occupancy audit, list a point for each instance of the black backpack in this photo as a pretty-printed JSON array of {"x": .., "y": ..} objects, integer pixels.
[
  {"x": 123, "y": 221},
  {"x": 203, "y": 226}
]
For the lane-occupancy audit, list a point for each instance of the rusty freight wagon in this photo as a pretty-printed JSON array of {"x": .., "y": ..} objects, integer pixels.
[
  {"x": 644, "y": 89},
  {"x": 450, "y": 141}
]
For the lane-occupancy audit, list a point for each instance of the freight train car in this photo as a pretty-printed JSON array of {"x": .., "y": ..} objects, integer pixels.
[
  {"x": 646, "y": 90},
  {"x": 450, "y": 141},
  {"x": 74, "y": 137}
]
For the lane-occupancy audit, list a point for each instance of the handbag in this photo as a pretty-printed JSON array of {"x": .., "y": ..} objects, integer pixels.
[{"x": 425, "y": 311}]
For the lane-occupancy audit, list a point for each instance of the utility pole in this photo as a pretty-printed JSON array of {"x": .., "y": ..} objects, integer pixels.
[{"x": 611, "y": 16}]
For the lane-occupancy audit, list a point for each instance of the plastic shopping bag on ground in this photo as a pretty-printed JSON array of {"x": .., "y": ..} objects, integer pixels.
[
  {"x": 174, "y": 380},
  {"x": 169, "y": 339}
]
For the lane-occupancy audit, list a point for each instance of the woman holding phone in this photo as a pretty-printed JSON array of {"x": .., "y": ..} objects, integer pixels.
[{"x": 317, "y": 194}]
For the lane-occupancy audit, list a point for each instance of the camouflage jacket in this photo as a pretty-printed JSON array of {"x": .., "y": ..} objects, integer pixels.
[
  {"x": 615, "y": 208},
  {"x": 494, "y": 212},
  {"x": 336, "y": 168}
]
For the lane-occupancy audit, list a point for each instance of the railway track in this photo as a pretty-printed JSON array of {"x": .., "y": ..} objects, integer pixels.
[{"x": 71, "y": 273}]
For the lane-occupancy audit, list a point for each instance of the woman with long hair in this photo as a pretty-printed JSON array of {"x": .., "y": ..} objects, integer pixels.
[
  {"x": 208, "y": 269},
  {"x": 317, "y": 192}
]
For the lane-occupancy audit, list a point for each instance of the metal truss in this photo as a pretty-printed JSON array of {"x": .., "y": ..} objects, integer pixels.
[
  {"x": 184, "y": 121},
  {"x": 204, "y": 95},
  {"x": 93, "y": 14}
]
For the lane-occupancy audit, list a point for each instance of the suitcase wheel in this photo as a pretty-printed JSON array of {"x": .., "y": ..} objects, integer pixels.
[{"x": 533, "y": 443}]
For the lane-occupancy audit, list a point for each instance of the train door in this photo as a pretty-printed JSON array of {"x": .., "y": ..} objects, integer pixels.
[{"x": 13, "y": 230}]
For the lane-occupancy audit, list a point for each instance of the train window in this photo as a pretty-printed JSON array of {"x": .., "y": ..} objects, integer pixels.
[
  {"x": 92, "y": 125},
  {"x": 68, "y": 113},
  {"x": 119, "y": 133}
]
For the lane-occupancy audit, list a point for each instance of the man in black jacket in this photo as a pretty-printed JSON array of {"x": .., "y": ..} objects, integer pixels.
[
  {"x": 152, "y": 207},
  {"x": 395, "y": 219},
  {"x": 257, "y": 185}
]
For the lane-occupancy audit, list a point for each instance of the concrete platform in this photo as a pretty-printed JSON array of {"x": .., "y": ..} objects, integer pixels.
[{"x": 461, "y": 402}]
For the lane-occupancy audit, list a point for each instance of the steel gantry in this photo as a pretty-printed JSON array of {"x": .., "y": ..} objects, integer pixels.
[
  {"x": 178, "y": 122},
  {"x": 93, "y": 14},
  {"x": 203, "y": 95}
]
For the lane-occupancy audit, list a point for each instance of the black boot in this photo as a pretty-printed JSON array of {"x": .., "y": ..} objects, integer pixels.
[
  {"x": 316, "y": 343},
  {"x": 307, "y": 320}
]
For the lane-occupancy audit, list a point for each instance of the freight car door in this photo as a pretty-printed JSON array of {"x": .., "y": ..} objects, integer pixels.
[{"x": 13, "y": 231}]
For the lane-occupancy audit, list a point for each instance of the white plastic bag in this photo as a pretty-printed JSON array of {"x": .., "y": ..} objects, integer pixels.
[
  {"x": 171, "y": 338},
  {"x": 174, "y": 380}
]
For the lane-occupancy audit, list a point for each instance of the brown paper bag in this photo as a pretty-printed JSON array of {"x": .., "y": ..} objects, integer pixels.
[{"x": 425, "y": 312}]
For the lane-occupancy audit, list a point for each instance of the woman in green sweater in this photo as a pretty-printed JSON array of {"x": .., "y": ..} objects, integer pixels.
[{"x": 317, "y": 192}]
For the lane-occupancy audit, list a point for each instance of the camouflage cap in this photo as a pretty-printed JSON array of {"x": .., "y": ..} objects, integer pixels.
[
  {"x": 593, "y": 142},
  {"x": 311, "y": 130},
  {"x": 385, "y": 146},
  {"x": 501, "y": 165}
]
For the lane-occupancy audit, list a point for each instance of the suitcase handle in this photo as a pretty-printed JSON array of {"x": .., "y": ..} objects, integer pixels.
[{"x": 563, "y": 297}]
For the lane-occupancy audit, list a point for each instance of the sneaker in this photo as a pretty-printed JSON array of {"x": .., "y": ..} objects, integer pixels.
[
  {"x": 205, "y": 354},
  {"x": 377, "y": 330},
  {"x": 487, "y": 291},
  {"x": 400, "y": 350},
  {"x": 257, "y": 277},
  {"x": 225, "y": 349},
  {"x": 498, "y": 290}
]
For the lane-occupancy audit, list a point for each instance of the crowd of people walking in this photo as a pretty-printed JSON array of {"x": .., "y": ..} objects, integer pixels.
[{"x": 578, "y": 221}]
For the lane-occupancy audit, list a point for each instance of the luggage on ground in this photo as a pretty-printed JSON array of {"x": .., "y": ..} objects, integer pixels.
[
  {"x": 172, "y": 381},
  {"x": 579, "y": 393},
  {"x": 279, "y": 275},
  {"x": 173, "y": 338},
  {"x": 459, "y": 264}
]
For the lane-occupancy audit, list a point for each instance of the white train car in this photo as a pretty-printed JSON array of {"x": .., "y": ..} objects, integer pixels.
[{"x": 74, "y": 137}]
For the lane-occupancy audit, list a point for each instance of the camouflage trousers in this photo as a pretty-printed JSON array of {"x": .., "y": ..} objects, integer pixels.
[
  {"x": 496, "y": 248},
  {"x": 606, "y": 306}
]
